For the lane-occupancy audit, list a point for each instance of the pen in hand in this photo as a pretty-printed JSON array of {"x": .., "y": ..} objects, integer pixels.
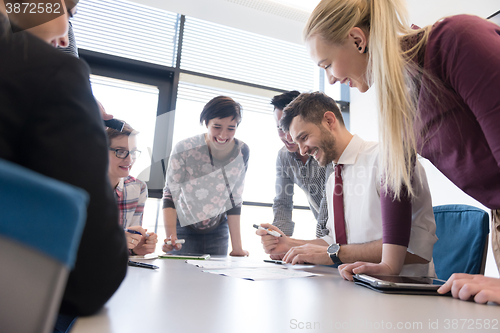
[
  {"x": 269, "y": 231},
  {"x": 136, "y": 232},
  {"x": 177, "y": 241}
]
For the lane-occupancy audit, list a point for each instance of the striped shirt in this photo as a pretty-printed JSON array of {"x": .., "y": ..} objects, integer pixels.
[
  {"x": 131, "y": 195},
  {"x": 310, "y": 177}
]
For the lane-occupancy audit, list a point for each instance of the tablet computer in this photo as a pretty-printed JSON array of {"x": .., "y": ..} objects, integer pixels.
[{"x": 398, "y": 284}]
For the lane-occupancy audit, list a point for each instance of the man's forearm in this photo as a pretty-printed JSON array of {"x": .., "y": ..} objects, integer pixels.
[{"x": 298, "y": 242}]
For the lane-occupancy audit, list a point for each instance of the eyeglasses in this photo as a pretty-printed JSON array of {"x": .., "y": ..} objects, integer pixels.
[{"x": 122, "y": 153}]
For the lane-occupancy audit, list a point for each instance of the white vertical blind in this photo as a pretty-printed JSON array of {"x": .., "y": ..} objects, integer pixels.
[
  {"x": 127, "y": 29},
  {"x": 226, "y": 52},
  {"x": 201, "y": 93}
]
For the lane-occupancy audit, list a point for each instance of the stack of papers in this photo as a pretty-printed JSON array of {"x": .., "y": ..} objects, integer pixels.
[
  {"x": 251, "y": 270},
  {"x": 209, "y": 264},
  {"x": 257, "y": 274}
]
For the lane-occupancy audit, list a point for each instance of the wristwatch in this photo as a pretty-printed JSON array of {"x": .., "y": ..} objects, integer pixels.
[{"x": 333, "y": 251}]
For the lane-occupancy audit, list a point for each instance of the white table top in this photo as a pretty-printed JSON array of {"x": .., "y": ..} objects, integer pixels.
[{"x": 181, "y": 298}]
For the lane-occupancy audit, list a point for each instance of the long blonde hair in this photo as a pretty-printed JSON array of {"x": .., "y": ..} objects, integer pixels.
[{"x": 389, "y": 69}]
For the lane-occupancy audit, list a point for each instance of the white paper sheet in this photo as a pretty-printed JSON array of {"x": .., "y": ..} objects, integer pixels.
[
  {"x": 257, "y": 274},
  {"x": 209, "y": 264}
]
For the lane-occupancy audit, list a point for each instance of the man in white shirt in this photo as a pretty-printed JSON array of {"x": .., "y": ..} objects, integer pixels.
[{"x": 324, "y": 136}]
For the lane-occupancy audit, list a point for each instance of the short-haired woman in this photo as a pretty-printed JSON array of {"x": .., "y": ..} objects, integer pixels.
[{"x": 202, "y": 194}]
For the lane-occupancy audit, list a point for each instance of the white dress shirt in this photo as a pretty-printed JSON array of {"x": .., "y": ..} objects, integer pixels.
[{"x": 362, "y": 210}]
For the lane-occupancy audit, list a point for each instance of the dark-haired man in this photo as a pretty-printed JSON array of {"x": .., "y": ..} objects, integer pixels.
[
  {"x": 293, "y": 168},
  {"x": 315, "y": 123}
]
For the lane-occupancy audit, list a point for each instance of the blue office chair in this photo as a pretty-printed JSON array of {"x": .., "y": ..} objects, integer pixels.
[
  {"x": 41, "y": 222},
  {"x": 463, "y": 240}
]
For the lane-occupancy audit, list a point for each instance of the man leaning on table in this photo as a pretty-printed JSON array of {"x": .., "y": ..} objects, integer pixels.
[
  {"x": 293, "y": 168},
  {"x": 315, "y": 123}
]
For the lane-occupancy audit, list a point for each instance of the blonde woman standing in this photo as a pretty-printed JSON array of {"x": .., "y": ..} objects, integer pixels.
[{"x": 437, "y": 90}]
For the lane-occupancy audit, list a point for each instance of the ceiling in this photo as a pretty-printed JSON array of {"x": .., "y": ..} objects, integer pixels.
[
  {"x": 305, "y": 5},
  {"x": 285, "y": 19},
  {"x": 422, "y": 12}
]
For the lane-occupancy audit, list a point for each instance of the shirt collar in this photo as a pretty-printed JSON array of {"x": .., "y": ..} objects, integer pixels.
[
  {"x": 350, "y": 153},
  {"x": 119, "y": 187}
]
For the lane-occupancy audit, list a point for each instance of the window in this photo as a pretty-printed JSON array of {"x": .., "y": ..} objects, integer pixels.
[
  {"x": 221, "y": 51},
  {"x": 136, "y": 104},
  {"x": 132, "y": 49},
  {"x": 127, "y": 29}
]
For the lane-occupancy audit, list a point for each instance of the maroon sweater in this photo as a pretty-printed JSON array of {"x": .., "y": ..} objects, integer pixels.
[{"x": 458, "y": 124}]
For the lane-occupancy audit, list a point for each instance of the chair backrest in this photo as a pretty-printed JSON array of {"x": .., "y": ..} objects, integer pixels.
[
  {"x": 462, "y": 244},
  {"x": 40, "y": 229}
]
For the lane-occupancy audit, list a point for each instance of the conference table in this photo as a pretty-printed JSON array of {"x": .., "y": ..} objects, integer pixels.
[{"x": 179, "y": 297}]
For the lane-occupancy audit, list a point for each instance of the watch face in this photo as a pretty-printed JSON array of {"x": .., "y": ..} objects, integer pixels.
[{"x": 333, "y": 249}]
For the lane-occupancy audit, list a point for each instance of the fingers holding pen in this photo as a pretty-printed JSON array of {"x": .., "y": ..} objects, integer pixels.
[{"x": 134, "y": 236}]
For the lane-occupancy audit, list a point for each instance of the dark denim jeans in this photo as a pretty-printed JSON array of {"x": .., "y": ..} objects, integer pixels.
[{"x": 214, "y": 242}]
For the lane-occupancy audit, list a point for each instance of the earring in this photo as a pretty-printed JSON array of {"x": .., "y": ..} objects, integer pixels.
[
  {"x": 360, "y": 48},
  {"x": 366, "y": 49}
]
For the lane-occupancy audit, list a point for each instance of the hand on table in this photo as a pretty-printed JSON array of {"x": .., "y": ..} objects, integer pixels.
[
  {"x": 308, "y": 253},
  {"x": 479, "y": 287},
  {"x": 348, "y": 270},
  {"x": 239, "y": 253}
]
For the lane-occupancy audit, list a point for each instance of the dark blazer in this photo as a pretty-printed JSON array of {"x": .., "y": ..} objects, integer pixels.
[{"x": 50, "y": 123}]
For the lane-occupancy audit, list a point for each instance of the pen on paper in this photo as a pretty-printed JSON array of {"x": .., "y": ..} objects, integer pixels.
[
  {"x": 136, "y": 232},
  {"x": 269, "y": 231},
  {"x": 177, "y": 241}
]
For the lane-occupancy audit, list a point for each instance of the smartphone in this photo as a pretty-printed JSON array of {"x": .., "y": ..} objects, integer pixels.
[{"x": 114, "y": 124}]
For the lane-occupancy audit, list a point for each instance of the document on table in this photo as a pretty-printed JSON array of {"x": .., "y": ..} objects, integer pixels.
[
  {"x": 216, "y": 263},
  {"x": 257, "y": 274},
  {"x": 209, "y": 264}
]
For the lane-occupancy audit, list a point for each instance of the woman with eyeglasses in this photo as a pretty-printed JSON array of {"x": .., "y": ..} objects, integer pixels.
[
  {"x": 202, "y": 195},
  {"x": 130, "y": 193}
]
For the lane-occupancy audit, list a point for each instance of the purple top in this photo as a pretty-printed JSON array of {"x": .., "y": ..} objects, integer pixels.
[{"x": 457, "y": 127}]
